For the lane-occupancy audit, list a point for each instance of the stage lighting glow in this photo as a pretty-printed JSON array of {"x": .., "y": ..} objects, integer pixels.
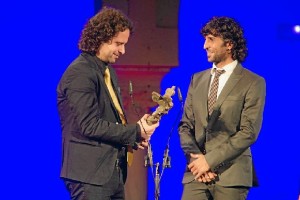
[{"x": 297, "y": 29}]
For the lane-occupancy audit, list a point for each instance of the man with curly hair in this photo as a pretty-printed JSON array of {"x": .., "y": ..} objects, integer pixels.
[
  {"x": 95, "y": 134},
  {"x": 222, "y": 118}
]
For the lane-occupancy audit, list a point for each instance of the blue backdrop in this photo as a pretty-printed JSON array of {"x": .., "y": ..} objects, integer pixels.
[
  {"x": 38, "y": 41},
  {"x": 273, "y": 51}
]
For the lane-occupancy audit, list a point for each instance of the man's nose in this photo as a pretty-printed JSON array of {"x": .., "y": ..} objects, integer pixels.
[
  {"x": 205, "y": 45},
  {"x": 122, "y": 50}
]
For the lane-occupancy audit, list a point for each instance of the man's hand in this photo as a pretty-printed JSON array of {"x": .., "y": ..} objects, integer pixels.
[
  {"x": 207, "y": 177},
  {"x": 147, "y": 130},
  {"x": 199, "y": 166},
  {"x": 143, "y": 144}
]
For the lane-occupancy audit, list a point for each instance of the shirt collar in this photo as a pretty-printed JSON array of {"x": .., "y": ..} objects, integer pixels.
[
  {"x": 228, "y": 68},
  {"x": 102, "y": 65}
]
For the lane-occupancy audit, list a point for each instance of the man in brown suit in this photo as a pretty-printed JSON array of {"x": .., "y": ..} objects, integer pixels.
[{"x": 222, "y": 118}]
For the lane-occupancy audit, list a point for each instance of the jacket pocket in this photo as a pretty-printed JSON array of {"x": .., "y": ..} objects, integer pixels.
[
  {"x": 85, "y": 141},
  {"x": 234, "y": 98}
]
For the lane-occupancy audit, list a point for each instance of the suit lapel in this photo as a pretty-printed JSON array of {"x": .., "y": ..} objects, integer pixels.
[
  {"x": 114, "y": 83},
  {"x": 230, "y": 84},
  {"x": 115, "y": 86},
  {"x": 204, "y": 95},
  {"x": 201, "y": 85},
  {"x": 100, "y": 66}
]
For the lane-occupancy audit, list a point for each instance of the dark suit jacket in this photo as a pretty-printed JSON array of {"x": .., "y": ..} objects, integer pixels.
[
  {"x": 93, "y": 134},
  {"x": 241, "y": 105}
]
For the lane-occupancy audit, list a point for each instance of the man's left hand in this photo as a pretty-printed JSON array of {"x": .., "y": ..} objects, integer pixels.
[
  {"x": 143, "y": 144},
  {"x": 199, "y": 166},
  {"x": 207, "y": 177}
]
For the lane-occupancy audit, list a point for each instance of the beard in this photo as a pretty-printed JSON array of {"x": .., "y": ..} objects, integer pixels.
[{"x": 217, "y": 57}]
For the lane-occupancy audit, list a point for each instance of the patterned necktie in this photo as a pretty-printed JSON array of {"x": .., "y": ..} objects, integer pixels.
[
  {"x": 212, "y": 98},
  {"x": 115, "y": 100}
]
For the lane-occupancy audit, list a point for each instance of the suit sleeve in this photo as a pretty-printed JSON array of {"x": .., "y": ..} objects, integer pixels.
[
  {"x": 186, "y": 127},
  {"x": 250, "y": 125},
  {"x": 84, "y": 105}
]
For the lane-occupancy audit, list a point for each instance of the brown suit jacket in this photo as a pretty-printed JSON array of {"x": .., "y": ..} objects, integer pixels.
[{"x": 241, "y": 105}]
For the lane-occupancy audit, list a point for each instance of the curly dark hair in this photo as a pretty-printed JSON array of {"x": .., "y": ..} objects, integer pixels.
[
  {"x": 231, "y": 32},
  {"x": 101, "y": 28}
]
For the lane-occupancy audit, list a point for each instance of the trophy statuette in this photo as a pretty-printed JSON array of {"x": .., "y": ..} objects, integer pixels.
[{"x": 164, "y": 105}]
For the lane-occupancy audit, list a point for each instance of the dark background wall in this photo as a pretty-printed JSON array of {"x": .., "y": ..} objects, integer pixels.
[{"x": 39, "y": 39}]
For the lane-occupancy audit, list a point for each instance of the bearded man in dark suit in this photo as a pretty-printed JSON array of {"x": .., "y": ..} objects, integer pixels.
[{"x": 95, "y": 133}]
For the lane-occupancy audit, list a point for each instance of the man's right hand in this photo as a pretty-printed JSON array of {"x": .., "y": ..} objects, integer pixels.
[
  {"x": 207, "y": 177},
  {"x": 146, "y": 130}
]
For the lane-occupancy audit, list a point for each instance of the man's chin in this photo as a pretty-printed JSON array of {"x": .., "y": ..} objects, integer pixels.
[
  {"x": 209, "y": 60},
  {"x": 112, "y": 61}
]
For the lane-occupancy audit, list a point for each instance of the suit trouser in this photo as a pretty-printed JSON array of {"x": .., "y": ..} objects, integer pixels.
[
  {"x": 112, "y": 190},
  {"x": 201, "y": 191}
]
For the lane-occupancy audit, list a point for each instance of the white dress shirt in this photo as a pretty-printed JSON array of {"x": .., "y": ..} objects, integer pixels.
[{"x": 224, "y": 77}]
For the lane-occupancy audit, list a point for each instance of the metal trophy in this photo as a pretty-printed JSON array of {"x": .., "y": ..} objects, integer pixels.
[{"x": 165, "y": 103}]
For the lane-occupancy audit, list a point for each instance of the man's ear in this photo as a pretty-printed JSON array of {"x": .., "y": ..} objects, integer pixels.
[{"x": 229, "y": 45}]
